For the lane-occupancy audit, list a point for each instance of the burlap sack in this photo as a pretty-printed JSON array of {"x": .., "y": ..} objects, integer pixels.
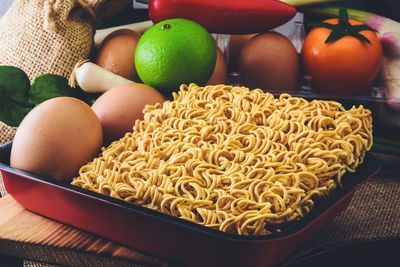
[
  {"x": 6, "y": 133},
  {"x": 51, "y": 36}
]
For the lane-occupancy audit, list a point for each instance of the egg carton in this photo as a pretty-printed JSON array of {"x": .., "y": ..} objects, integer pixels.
[{"x": 386, "y": 116}]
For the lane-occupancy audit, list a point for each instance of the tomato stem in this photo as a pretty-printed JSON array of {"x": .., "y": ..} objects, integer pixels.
[{"x": 344, "y": 28}]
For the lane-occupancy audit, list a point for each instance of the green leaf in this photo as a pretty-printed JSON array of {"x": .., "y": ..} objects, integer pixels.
[
  {"x": 89, "y": 98},
  {"x": 11, "y": 112},
  {"x": 14, "y": 83},
  {"x": 14, "y": 86},
  {"x": 49, "y": 86},
  {"x": 18, "y": 97}
]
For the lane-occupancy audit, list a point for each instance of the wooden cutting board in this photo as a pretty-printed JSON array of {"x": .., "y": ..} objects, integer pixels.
[{"x": 27, "y": 235}]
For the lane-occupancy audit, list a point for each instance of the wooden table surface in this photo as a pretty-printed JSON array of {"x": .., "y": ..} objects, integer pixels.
[{"x": 24, "y": 234}]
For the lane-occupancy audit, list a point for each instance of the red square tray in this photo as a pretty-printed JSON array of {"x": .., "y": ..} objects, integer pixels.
[{"x": 171, "y": 238}]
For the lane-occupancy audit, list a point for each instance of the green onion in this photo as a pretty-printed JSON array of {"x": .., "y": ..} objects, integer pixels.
[
  {"x": 386, "y": 146},
  {"x": 388, "y": 142},
  {"x": 388, "y": 163},
  {"x": 388, "y": 152},
  {"x": 332, "y": 11},
  {"x": 299, "y": 3},
  {"x": 385, "y": 149}
]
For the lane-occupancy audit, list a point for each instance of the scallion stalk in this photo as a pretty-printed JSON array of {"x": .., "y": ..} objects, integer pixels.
[
  {"x": 386, "y": 141},
  {"x": 386, "y": 149},
  {"x": 143, "y": 1},
  {"x": 300, "y": 3},
  {"x": 388, "y": 163}
]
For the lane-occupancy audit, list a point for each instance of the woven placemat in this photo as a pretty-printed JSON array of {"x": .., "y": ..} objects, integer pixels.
[{"x": 371, "y": 217}]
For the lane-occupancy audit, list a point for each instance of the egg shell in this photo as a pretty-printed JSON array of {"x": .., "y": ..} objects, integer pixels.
[
  {"x": 269, "y": 61},
  {"x": 220, "y": 73},
  {"x": 56, "y": 138},
  {"x": 117, "y": 53},
  {"x": 236, "y": 43},
  {"x": 119, "y": 108}
]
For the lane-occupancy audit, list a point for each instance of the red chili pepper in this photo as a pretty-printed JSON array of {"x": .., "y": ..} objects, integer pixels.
[{"x": 225, "y": 16}]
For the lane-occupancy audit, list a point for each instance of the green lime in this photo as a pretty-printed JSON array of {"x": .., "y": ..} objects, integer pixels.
[{"x": 174, "y": 52}]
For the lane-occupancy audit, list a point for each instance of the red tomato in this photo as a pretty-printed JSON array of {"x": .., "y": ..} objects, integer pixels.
[{"x": 345, "y": 66}]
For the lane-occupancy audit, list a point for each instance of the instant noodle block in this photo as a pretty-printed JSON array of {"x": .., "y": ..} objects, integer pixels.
[
  {"x": 233, "y": 159},
  {"x": 218, "y": 176}
]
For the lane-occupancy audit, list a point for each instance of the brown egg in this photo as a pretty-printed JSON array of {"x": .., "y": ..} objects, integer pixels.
[
  {"x": 270, "y": 62},
  {"x": 236, "y": 43},
  {"x": 220, "y": 74},
  {"x": 117, "y": 53},
  {"x": 56, "y": 138},
  {"x": 119, "y": 108}
]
